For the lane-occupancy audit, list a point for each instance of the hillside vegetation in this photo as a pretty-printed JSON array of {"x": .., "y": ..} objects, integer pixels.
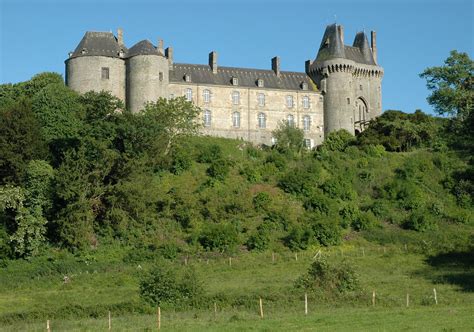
[{"x": 99, "y": 208}]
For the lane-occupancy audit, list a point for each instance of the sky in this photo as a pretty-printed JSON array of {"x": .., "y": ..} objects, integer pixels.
[{"x": 36, "y": 35}]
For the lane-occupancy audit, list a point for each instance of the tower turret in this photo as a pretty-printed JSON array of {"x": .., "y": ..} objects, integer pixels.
[
  {"x": 97, "y": 64},
  {"x": 147, "y": 75},
  {"x": 349, "y": 79}
]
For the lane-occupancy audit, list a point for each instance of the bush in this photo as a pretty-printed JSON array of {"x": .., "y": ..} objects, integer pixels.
[
  {"x": 218, "y": 169},
  {"x": 331, "y": 278},
  {"x": 364, "y": 221},
  {"x": 260, "y": 240},
  {"x": 338, "y": 140},
  {"x": 261, "y": 201},
  {"x": 420, "y": 221},
  {"x": 222, "y": 237},
  {"x": 209, "y": 153},
  {"x": 163, "y": 285}
]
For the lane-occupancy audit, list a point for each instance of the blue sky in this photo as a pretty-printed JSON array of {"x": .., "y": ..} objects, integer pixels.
[{"x": 35, "y": 36}]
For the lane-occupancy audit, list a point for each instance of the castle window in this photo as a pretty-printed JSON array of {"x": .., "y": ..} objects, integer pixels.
[
  {"x": 236, "y": 120},
  {"x": 160, "y": 76},
  {"x": 187, "y": 78},
  {"x": 189, "y": 94},
  {"x": 307, "y": 143},
  {"x": 206, "y": 96},
  {"x": 235, "y": 81},
  {"x": 360, "y": 87},
  {"x": 304, "y": 86},
  {"x": 261, "y": 99},
  {"x": 289, "y": 101},
  {"x": 207, "y": 118},
  {"x": 260, "y": 83},
  {"x": 348, "y": 101},
  {"x": 305, "y": 102},
  {"x": 306, "y": 123},
  {"x": 236, "y": 97},
  {"x": 291, "y": 120},
  {"x": 262, "y": 121},
  {"x": 105, "y": 73}
]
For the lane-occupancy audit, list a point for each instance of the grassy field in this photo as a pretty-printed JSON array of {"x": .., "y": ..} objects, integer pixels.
[{"x": 37, "y": 292}]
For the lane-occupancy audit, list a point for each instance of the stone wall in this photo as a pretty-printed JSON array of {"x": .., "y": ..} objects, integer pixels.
[{"x": 275, "y": 109}]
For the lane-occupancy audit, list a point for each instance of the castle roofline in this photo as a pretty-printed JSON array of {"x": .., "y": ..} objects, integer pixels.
[
  {"x": 247, "y": 77},
  {"x": 95, "y": 43}
]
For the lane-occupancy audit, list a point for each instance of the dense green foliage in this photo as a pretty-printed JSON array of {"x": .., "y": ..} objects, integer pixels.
[
  {"x": 90, "y": 173},
  {"x": 93, "y": 192}
]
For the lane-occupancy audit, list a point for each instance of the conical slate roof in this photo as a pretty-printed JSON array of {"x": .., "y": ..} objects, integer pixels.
[
  {"x": 99, "y": 44},
  {"x": 332, "y": 47},
  {"x": 362, "y": 43},
  {"x": 144, "y": 47}
]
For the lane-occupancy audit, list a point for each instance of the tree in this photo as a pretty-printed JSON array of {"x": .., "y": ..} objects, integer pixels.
[
  {"x": 20, "y": 141},
  {"x": 288, "y": 137},
  {"x": 174, "y": 119},
  {"x": 452, "y": 86},
  {"x": 30, "y": 220}
]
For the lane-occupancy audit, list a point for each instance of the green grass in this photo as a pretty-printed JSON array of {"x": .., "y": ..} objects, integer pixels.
[{"x": 37, "y": 293}]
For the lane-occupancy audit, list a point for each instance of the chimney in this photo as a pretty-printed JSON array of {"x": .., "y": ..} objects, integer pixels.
[
  {"x": 213, "y": 61},
  {"x": 341, "y": 33},
  {"x": 120, "y": 36},
  {"x": 276, "y": 65},
  {"x": 373, "y": 45},
  {"x": 160, "y": 46},
  {"x": 169, "y": 55}
]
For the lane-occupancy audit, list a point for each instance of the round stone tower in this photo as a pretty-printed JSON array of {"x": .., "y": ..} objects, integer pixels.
[
  {"x": 349, "y": 78},
  {"x": 97, "y": 64},
  {"x": 147, "y": 73}
]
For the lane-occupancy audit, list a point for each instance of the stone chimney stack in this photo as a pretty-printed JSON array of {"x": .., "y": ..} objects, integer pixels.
[
  {"x": 159, "y": 47},
  {"x": 373, "y": 45},
  {"x": 276, "y": 65},
  {"x": 120, "y": 36},
  {"x": 213, "y": 61},
  {"x": 341, "y": 33},
  {"x": 169, "y": 55}
]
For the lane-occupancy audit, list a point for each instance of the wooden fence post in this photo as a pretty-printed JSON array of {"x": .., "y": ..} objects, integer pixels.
[
  {"x": 435, "y": 297},
  {"x": 215, "y": 309},
  {"x": 230, "y": 261},
  {"x": 373, "y": 298},
  {"x": 110, "y": 322},
  {"x": 158, "y": 313},
  {"x": 296, "y": 256},
  {"x": 305, "y": 303},
  {"x": 408, "y": 300},
  {"x": 273, "y": 257},
  {"x": 47, "y": 326},
  {"x": 261, "y": 308}
]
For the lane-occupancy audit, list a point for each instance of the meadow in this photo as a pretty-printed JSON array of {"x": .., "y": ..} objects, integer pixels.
[{"x": 105, "y": 283}]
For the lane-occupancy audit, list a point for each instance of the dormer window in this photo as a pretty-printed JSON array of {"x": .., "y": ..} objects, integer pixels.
[
  {"x": 235, "y": 81},
  {"x": 121, "y": 53},
  {"x": 84, "y": 51},
  {"x": 187, "y": 78},
  {"x": 70, "y": 54},
  {"x": 260, "y": 83},
  {"x": 304, "y": 86}
]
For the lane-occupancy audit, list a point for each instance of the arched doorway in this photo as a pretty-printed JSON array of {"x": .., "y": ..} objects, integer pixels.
[{"x": 361, "y": 116}]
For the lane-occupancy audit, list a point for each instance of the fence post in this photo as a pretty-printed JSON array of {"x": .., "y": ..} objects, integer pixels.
[
  {"x": 373, "y": 298},
  {"x": 305, "y": 303},
  {"x": 435, "y": 297},
  {"x": 408, "y": 300},
  {"x": 47, "y": 326},
  {"x": 261, "y": 308},
  {"x": 110, "y": 322},
  {"x": 158, "y": 313}
]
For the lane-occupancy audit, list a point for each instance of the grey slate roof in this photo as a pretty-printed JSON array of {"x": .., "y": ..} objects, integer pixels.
[
  {"x": 98, "y": 43},
  {"x": 144, "y": 47},
  {"x": 332, "y": 47},
  {"x": 202, "y": 74}
]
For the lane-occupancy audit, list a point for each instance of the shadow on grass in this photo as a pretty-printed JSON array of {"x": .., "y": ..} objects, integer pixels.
[{"x": 455, "y": 267}]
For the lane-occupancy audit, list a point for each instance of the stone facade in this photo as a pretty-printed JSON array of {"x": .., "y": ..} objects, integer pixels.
[{"x": 341, "y": 88}]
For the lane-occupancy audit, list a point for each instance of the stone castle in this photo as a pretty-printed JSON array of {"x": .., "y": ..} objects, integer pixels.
[{"x": 340, "y": 89}]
